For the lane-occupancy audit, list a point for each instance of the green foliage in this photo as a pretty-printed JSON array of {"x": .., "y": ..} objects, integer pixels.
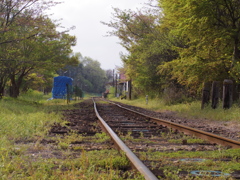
[
  {"x": 149, "y": 45},
  {"x": 209, "y": 33},
  {"x": 111, "y": 92},
  {"x": 137, "y": 32},
  {"x": 78, "y": 92},
  {"x": 88, "y": 75},
  {"x": 179, "y": 43},
  {"x": 30, "y": 44}
]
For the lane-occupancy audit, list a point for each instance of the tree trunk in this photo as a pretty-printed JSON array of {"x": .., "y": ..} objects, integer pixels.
[
  {"x": 16, "y": 84},
  {"x": 14, "y": 91},
  {"x": 215, "y": 94},
  {"x": 206, "y": 94},
  {"x": 3, "y": 81},
  {"x": 227, "y": 93},
  {"x": 1, "y": 91},
  {"x": 2, "y": 86}
]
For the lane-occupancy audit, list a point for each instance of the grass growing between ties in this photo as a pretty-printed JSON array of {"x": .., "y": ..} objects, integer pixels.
[
  {"x": 223, "y": 160},
  {"x": 180, "y": 137},
  {"x": 25, "y": 123}
]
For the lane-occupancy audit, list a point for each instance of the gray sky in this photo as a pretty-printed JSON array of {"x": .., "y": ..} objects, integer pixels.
[{"x": 86, "y": 15}]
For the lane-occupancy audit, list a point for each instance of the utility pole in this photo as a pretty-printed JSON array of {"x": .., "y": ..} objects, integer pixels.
[
  {"x": 116, "y": 85},
  {"x": 130, "y": 89},
  {"x": 68, "y": 94},
  {"x": 113, "y": 79}
]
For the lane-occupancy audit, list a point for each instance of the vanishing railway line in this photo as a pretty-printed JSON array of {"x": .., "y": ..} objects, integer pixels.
[
  {"x": 142, "y": 134},
  {"x": 158, "y": 149}
]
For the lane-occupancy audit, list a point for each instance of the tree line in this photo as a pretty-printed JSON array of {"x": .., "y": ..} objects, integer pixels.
[
  {"x": 174, "y": 46},
  {"x": 88, "y": 75}
]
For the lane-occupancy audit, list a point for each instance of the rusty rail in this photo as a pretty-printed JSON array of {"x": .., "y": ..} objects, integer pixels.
[
  {"x": 131, "y": 156},
  {"x": 190, "y": 131}
]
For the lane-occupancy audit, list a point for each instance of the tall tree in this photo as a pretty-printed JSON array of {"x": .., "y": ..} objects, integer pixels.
[
  {"x": 48, "y": 51},
  {"x": 41, "y": 47},
  {"x": 94, "y": 75},
  {"x": 11, "y": 15},
  {"x": 149, "y": 45},
  {"x": 210, "y": 30},
  {"x": 15, "y": 14}
]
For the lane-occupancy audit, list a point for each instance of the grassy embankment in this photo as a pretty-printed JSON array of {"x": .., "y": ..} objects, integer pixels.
[{"x": 25, "y": 122}]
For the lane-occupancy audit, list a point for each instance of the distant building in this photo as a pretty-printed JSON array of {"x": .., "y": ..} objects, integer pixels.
[{"x": 122, "y": 84}]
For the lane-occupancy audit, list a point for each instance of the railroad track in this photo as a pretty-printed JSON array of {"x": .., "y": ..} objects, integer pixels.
[{"x": 144, "y": 135}]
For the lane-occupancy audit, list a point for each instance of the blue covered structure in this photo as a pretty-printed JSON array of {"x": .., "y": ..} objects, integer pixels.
[{"x": 60, "y": 85}]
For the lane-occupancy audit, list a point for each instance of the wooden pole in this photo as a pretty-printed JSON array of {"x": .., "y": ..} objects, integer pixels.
[
  {"x": 68, "y": 95},
  {"x": 113, "y": 79},
  {"x": 116, "y": 85},
  {"x": 227, "y": 93},
  {"x": 215, "y": 94},
  {"x": 129, "y": 89},
  {"x": 206, "y": 94}
]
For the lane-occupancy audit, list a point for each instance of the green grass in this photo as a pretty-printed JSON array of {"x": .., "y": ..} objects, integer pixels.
[
  {"x": 220, "y": 153},
  {"x": 190, "y": 110},
  {"x": 27, "y": 117},
  {"x": 94, "y": 165}
]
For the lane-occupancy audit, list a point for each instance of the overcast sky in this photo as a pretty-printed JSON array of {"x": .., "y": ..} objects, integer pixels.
[{"x": 86, "y": 15}]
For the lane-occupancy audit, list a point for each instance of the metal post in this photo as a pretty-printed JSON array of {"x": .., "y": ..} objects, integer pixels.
[{"x": 68, "y": 95}]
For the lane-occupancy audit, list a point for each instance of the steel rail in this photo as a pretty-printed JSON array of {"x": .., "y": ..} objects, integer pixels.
[
  {"x": 131, "y": 156},
  {"x": 190, "y": 131}
]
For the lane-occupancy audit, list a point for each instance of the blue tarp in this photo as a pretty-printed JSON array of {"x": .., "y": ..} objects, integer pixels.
[{"x": 60, "y": 83}]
